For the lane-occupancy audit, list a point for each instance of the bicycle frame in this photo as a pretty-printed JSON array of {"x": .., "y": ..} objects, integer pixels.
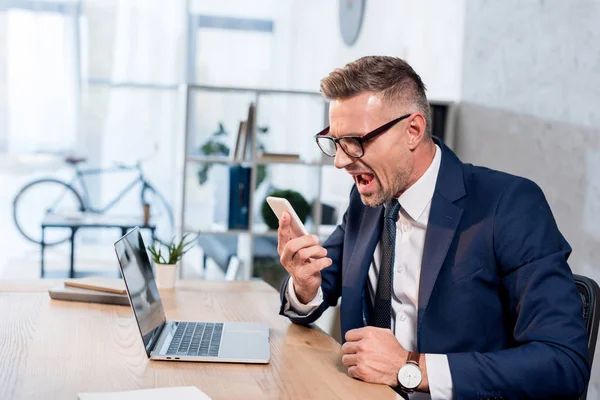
[{"x": 80, "y": 179}]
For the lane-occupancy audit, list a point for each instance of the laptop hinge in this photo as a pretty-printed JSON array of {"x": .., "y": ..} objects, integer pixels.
[{"x": 155, "y": 340}]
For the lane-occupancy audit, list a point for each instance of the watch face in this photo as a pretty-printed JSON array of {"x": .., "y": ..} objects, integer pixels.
[
  {"x": 351, "y": 16},
  {"x": 410, "y": 376}
]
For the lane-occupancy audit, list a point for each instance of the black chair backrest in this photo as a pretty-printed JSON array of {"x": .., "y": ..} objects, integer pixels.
[{"x": 590, "y": 296}]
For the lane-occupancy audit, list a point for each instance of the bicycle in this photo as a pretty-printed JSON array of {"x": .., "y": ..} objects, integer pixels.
[{"x": 64, "y": 198}]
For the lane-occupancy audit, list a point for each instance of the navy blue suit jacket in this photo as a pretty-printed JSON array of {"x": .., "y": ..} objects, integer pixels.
[{"x": 496, "y": 293}]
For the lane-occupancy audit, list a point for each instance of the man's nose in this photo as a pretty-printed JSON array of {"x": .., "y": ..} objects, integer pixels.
[{"x": 342, "y": 160}]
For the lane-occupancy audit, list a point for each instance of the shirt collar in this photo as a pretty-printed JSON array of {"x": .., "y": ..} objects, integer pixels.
[{"x": 416, "y": 198}]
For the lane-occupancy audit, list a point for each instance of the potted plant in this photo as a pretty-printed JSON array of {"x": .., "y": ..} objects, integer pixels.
[
  {"x": 166, "y": 261},
  {"x": 298, "y": 202}
]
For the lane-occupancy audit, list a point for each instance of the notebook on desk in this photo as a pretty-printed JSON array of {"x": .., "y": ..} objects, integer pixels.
[
  {"x": 68, "y": 293},
  {"x": 99, "y": 283},
  {"x": 179, "y": 393}
]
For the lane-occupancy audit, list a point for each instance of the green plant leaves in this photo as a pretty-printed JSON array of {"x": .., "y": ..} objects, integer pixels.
[{"x": 175, "y": 249}]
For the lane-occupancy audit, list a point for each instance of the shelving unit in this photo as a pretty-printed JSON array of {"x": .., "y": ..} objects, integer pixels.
[{"x": 193, "y": 119}]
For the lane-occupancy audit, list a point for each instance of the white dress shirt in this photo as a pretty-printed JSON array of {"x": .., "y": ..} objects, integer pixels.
[{"x": 411, "y": 227}]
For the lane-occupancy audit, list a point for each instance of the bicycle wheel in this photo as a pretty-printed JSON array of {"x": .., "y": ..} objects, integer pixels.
[
  {"x": 161, "y": 213},
  {"x": 39, "y": 198}
]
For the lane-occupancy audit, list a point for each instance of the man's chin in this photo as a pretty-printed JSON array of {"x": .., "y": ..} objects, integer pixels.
[{"x": 372, "y": 199}]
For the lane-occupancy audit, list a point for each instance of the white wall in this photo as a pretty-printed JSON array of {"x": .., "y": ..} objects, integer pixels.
[
  {"x": 427, "y": 34},
  {"x": 541, "y": 60},
  {"x": 308, "y": 44}
]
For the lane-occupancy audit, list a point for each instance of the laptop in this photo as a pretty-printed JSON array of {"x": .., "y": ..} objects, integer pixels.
[{"x": 233, "y": 342}]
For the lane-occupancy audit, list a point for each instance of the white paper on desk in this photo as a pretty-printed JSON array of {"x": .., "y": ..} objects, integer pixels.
[{"x": 179, "y": 393}]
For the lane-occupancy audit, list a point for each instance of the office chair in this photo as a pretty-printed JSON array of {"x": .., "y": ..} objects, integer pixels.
[{"x": 590, "y": 296}]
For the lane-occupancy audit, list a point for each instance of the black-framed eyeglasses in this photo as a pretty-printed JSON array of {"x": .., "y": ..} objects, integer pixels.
[{"x": 351, "y": 145}]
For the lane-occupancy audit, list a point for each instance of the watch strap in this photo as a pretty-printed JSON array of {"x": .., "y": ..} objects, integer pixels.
[{"x": 413, "y": 357}]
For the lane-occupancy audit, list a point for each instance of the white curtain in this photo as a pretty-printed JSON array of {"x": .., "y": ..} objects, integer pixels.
[
  {"x": 42, "y": 80},
  {"x": 38, "y": 108},
  {"x": 148, "y": 49}
]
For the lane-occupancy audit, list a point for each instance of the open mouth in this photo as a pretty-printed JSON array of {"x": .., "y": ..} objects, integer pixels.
[{"x": 364, "y": 182}]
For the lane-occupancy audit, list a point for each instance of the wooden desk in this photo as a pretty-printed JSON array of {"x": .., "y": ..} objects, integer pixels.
[{"x": 51, "y": 349}]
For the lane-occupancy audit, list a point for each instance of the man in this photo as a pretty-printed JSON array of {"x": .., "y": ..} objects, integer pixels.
[{"x": 453, "y": 278}]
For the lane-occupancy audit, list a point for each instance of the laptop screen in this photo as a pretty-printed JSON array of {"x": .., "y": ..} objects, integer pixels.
[{"x": 141, "y": 286}]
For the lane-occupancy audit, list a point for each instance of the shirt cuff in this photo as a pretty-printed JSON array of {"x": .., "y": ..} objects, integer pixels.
[
  {"x": 296, "y": 307},
  {"x": 440, "y": 379}
]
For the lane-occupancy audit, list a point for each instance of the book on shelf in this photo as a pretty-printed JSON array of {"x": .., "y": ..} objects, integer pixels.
[
  {"x": 239, "y": 196},
  {"x": 278, "y": 157},
  {"x": 243, "y": 142},
  {"x": 240, "y": 142},
  {"x": 249, "y": 132}
]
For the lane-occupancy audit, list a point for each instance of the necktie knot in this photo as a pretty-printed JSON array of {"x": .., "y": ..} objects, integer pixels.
[{"x": 392, "y": 210}]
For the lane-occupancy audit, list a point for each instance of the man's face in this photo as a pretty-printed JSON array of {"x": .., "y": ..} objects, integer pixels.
[{"x": 384, "y": 170}]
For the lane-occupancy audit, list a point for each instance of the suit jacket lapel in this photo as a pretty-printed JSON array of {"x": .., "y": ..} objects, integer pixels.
[
  {"x": 355, "y": 276},
  {"x": 362, "y": 254},
  {"x": 444, "y": 219}
]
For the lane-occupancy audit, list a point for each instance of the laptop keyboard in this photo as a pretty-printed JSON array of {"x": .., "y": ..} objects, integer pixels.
[{"x": 196, "y": 339}]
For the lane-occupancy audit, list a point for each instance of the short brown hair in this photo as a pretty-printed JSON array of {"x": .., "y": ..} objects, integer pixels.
[{"x": 391, "y": 77}]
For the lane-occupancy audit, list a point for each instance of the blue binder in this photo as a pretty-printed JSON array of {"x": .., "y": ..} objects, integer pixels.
[{"x": 239, "y": 197}]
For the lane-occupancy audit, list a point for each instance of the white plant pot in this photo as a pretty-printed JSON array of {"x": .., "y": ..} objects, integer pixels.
[{"x": 166, "y": 274}]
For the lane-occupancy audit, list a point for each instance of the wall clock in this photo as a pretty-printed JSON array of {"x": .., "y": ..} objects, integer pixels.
[{"x": 351, "y": 16}]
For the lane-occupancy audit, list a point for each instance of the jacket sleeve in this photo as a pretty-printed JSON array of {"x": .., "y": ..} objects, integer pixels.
[
  {"x": 549, "y": 356},
  {"x": 331, "y": 284}
]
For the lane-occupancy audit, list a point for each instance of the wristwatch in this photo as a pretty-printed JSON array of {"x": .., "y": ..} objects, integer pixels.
[{"x": 410, "y": 375}]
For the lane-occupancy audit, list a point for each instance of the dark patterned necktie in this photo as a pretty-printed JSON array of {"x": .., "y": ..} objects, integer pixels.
[{"x": 382, "y": 310}]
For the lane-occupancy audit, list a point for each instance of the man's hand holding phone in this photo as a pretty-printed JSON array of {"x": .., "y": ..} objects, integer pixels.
[{"x": 303, "y": 258}]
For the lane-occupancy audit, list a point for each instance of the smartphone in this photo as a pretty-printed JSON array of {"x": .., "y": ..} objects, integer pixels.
[{"x": 279, "y": 205}]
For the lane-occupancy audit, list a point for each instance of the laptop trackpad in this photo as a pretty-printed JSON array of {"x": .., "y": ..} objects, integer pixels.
[{"x": 248, "y": 345}]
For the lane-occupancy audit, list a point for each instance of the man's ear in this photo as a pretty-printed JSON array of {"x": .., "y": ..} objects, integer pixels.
[{"x": 417, "y": 128}]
